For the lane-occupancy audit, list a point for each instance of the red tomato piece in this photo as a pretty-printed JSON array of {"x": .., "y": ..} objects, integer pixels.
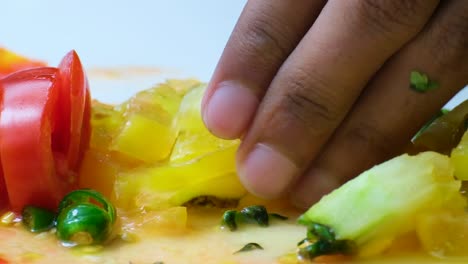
[
  {"x": 74, "y": 111},
  {"x": 26, "y": 121},
  {"x": 44, "y": 132}
]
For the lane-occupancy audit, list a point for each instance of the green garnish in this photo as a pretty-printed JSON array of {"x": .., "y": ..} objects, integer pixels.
[
  {"x": 421, "y": 83},
  {"x": 321, "y": 240},
  {"x": 255, "y": 214},
  {"x": 38, "y": 219},
  {"x": 249, "y": 247},
  {"x": 85, "y": 217}
]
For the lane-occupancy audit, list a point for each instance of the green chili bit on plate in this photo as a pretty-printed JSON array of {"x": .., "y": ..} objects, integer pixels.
[
  {"x": 249, "y": 247},
  {"x": 421, "y": 83}
]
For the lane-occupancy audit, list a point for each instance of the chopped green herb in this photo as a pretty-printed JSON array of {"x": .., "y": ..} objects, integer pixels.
[
  {"x": 421, "y": 83},
  {"x": 38, "y": 219},
  {"x": 255, "y": 214},
  {"x": 321, "y": 240},
  {"x": 249, "y": 247}
]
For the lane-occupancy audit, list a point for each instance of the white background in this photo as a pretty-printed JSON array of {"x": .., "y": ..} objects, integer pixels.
[{"x": 184, "y": 37}]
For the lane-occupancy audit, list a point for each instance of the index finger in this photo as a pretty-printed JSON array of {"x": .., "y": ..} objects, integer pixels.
[{"x": 263, "y": 38}]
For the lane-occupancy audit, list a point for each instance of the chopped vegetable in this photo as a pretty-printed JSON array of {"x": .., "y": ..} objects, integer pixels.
[
  {"x": 85, "y": 217},
  {"x": 249, "y": 247},
  {"x": 37, "y": 219},
  {"x": 385, "y": 201},
  {"x": 421, "y": 83},
  {"x": 321, "y": 241},
  {"x": 44, "y": 129},
  {"x": 255, "y": 214}
]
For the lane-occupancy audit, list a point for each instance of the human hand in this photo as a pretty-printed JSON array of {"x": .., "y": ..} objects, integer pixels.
[{"x": 319, "y": 90}]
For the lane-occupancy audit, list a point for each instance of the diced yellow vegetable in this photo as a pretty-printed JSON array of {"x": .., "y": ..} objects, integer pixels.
[
  {"x": 145, "y": 139},
  {"x": 155, "y": 187},
  {"x": 459, "y": 158}
]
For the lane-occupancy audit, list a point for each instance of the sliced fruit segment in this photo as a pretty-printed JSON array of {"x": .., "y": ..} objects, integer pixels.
[
  {"x": 385, "y": 201},
  {"x": 459, "y": 158}
]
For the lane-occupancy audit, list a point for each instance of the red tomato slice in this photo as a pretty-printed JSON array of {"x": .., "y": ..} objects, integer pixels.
[
  {"x": 26, "y": 121},
  {"x": 73, "y": 110},
  {"x": 44, "y": 131}
]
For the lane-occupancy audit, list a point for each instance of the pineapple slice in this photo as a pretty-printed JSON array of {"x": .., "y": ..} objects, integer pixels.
[
  {"x": 459, "y": 158},
  {"x": 149, "y": 130},
  {"x": 386, "y": 201},
  {"x": 444, "y": 234},
  {"x": 169, "y": 185}
]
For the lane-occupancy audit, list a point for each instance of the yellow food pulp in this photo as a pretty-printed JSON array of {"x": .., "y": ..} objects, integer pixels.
[
  {"x": 152, "y": 154},
  {"x": 459, "y": 157}
]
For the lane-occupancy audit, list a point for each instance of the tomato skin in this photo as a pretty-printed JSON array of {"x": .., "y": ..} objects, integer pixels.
[
  {"x": 44, "y": 132},
  {"x": 25, "y": 138},
  {"x": 73, "y": 130}
]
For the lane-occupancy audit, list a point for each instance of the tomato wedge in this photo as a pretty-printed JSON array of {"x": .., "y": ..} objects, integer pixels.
[
  {"x": 73, "y": 110},
  {"x": 44, "y": 124}
]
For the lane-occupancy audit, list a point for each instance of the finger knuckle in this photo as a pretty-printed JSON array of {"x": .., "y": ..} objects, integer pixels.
[
  {"x": 448, "y": 39},
  {"x": 370, "y": 139},
  {"x": 390, "y": 16},
  {"x": 308, "y": 101},
  {"x": 264, "y": 36}
]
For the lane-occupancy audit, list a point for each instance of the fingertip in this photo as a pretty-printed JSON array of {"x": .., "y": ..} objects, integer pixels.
[
  {"x": 228, "y": 110},
  {"x": 265, "y": 172}
]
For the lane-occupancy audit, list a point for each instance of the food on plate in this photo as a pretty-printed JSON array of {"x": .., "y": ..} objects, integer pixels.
[
  {"x": 367, "y": 213},
  {"x": 144, "y": 181}
]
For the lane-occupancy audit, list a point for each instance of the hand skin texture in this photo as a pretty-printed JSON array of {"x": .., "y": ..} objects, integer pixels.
[{"x": 318, "y": 91}]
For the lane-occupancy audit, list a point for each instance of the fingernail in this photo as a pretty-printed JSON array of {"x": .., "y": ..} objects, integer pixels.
[
  {"x": 230, "y": 110},
  {"x": 315, "y": 184},
  {"x": 266, "y": 172}
]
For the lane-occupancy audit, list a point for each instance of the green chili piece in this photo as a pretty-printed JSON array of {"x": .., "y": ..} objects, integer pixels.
[
  {"x": 321, "y": 240},
  {"x": 229, "y": 219},
  {"x": 85, "y": 217},
  {"x": 38, "y": 219},
  {"x": 88, "y": 196},
  {"x": 255, "y": 214},
  {"x": 249, "y": 247}
]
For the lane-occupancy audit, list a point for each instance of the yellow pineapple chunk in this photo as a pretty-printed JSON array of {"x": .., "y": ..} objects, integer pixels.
[{"x": 459, "y": 158}]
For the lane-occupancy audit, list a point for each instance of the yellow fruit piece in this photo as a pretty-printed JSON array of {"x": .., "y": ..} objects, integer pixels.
[
  {"x": 459, "y": 158},
  {"x": 145, "y": 139},
  {"x": 444, "y": 234},
  {"x": 105, "y": 122},
  {"x": 155, "y": 187},
  {"x": 189, "y": 146},
  {"x": 98, "y": 172},
  {"x": 172, "y": 220},
  {"x": 386, "y": 201},
  {"x": 189, "y": 115}
]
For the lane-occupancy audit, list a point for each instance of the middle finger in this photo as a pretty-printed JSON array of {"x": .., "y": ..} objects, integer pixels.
[{"x": 319, "y": 82}]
